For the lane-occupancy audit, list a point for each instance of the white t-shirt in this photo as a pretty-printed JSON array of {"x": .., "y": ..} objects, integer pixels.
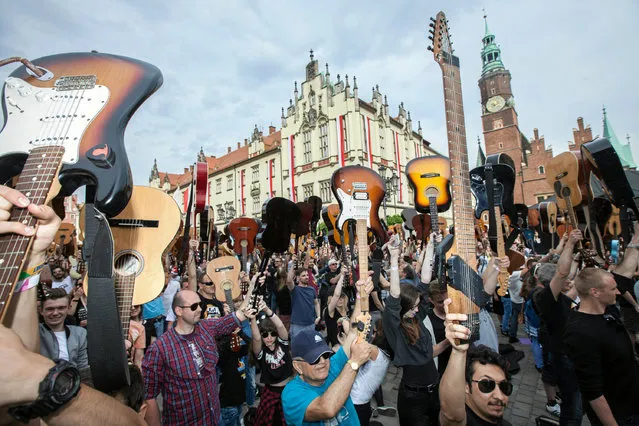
[
  {"x": 514, "y": 287},
  {"x": 167, "y": 297},
  {"x": 369, "y": 377},
  {"x": 66, "y": 284},
  {"x": 63, "y": 351}
]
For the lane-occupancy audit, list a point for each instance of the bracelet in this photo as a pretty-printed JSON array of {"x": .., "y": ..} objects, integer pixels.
[
  {"x": 632, "y": 246},
  {"x": 270, "y": 316},
  {"x": 27, "y": 283},
  {"x": 35, "y": 269}
]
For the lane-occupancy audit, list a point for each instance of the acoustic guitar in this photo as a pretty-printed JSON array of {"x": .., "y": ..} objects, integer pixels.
[
  {"x": 407, "y": 216},
  {"x": 224, "y": 272},
  {"x": 92, "y": 96},
  {"x": 244, "y": 232},
  {"x": 429, "y": 177},
  {"x": 142, "y": 234},
  {"x": 465, "y": 285}
]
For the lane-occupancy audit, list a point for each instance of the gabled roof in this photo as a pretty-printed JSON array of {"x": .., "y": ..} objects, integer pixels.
[
  {"x": 273, "y": 140},
  {"x": 217, "y": 164}
]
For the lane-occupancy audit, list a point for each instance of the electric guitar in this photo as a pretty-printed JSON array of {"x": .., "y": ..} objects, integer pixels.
[
  {"x": 359, "y": 192},
  {"x": 244, "y": 231},
  {"x": 66, "y": 128},
  {"x": 329, "y": 216},
  {"x": 465, "y": 285},
  {"x": 224, "y": 271}
]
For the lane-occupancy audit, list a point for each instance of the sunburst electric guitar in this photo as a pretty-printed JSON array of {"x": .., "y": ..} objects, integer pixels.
[{"x": 67, "y": 127}]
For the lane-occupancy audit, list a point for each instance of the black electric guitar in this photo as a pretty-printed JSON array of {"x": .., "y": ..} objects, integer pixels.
[{"x": 67, "y": 127}]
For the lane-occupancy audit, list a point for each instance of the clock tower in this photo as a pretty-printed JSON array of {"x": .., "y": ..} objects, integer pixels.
[{"x": 499, "y": 118}]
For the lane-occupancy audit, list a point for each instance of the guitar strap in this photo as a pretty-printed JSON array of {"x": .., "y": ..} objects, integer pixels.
[
  {"x": 492, "y": 220},
  {"x": 187, "y": 230},
  {"x": 105, "y": 343}
]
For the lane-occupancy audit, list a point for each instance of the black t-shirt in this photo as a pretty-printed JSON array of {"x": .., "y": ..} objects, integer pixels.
[
  {"x": 553, "y": 314},
  {"x": 211, "y": 308},
  {"x": 420, "y": 375},
  {"x": 440, "y": 334},
  {"x": 284, "y": 301},
  {"x": 232, "y": 374},
  {"x": 275, "y": 365},
  {"x": 331, "y": 327},
  {"x": 473, "y": 419},
  {"x": 624, "y": 284},
  {"x": 601, "y": 351}
]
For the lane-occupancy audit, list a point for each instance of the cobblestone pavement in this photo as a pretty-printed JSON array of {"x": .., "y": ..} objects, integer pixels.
[{"x": 527, "y": 402}]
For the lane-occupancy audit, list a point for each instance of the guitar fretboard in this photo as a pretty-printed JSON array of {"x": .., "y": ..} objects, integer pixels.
[
  {"x": 434, "y": 219},
  {"x": 35, "y": 183},
  {"x": 362, "y": 248},
  {"x": 124, "y": 288}
]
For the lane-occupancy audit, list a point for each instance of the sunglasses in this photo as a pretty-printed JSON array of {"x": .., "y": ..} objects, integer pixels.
[
  {"x": 193, "y": 306},
  {"x": 325, "y": 355},
  {"x": 265, "y": 334},
  {"x": 206, "y": 282},
  {"x": 488, "y": 385}
]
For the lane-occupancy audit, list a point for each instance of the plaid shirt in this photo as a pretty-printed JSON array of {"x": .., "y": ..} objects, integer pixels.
[{"x": 187, "y": 380}]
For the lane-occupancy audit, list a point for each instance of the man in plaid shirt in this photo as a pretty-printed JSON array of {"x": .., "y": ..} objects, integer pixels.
[{"x": 181, "y": 365}]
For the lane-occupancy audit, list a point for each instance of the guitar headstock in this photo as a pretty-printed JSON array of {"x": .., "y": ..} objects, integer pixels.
[{"x": 442, "y": 46}]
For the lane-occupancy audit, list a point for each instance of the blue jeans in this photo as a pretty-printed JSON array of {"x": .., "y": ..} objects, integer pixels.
[
  {"x": 296, "y": 328},
  {"x": 537, "y": 352},
  {"x": 231, "y": 415},
  {"x": 508, "y": 309},
  {"x": 159, "y": 328},
  {"x": 514, "y": 319},
  {"x": 250, "y": 383},
  {"x": 571, "y": 409}
]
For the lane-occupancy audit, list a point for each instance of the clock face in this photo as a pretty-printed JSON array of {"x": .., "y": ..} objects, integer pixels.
[{"x": 496, "y": 103}]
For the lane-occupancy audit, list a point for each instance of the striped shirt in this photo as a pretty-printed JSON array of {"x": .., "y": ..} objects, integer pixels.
[{"x": 182, "y": 368}]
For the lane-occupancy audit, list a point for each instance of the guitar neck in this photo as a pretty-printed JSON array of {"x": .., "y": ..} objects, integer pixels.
[
  {"x": 434, "y": 219},
  {"x": 458, "y": 153},
  {"x": 36, "y": 182},
  {"x": 228, "y": 295},
  {"x": 124, "y": 288},
  {"x": 362, "y": 248}
]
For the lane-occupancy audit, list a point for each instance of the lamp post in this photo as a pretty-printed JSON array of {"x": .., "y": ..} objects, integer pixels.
[{"x": 391, "y": 185}]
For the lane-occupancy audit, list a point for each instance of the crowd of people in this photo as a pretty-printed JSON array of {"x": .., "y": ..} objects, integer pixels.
[{"x": 298, "y": 353}]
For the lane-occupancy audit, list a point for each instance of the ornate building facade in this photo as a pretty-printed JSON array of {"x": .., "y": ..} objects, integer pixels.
[{"x": 325, "y": 126}]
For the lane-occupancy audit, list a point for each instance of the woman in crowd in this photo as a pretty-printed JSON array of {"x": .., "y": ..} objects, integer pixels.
[{"x": 271, "y": 348}]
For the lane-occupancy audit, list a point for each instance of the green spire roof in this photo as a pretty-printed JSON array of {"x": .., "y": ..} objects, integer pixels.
[
  {"x": 481, "y": 158},
  {"x": 490, "y": 53},
  {"x": 623, "y": 150}
]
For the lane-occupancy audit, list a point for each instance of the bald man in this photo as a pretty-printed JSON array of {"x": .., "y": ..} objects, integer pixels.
[{"x": 181, "y": 365}]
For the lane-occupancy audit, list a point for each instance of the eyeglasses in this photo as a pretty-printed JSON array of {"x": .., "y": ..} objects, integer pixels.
[
  {"x": 488, "y": 385},
  {"x": 193, "y": 306},
  {"x": 265, "y": 334},
  {"x": 325, "y": 355}
]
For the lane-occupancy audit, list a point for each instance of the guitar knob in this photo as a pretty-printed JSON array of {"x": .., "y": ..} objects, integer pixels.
[
  {"x": 41, "y": 96},
  {"x": 25, "y": 90}
]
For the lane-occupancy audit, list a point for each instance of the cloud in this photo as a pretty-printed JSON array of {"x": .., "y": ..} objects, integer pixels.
[{"x": 230, "y": 65}]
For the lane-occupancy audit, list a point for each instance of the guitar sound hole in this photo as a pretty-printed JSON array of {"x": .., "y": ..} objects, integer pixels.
[{"x": 128, "y": 263}]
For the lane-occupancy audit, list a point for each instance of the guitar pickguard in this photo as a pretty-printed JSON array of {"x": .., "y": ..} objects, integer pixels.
[
  {"x": 48, "y": 117},
  {"x": 353, "y": 207}
]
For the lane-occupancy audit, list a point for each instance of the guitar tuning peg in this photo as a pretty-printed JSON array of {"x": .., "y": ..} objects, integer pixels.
[
  {"x": 432, "y": 19},
  {"x": 430, "y": 48},
  {"x": 430, "y": 38},
  {"x": 431, "y": 32}
]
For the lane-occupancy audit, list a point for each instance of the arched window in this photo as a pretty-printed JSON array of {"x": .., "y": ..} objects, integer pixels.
[{"x": 541, "y": 170}]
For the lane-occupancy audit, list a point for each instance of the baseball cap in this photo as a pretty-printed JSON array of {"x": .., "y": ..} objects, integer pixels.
[
  {"x": 333, "y": 262},
  {"x": 309, "y": 345}
]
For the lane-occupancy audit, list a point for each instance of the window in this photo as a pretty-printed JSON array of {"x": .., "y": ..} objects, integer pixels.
[
  {"x": 492, "y": 91},
  {"x": 255, "y": 171},
  {"x": 541, "y": 170},
  {"x": 296, "y": 192},
  {"x": 540, "y": 198},
  {"x": 501, "y": 145},
  {"x": 382, "y": 143},
  {"x": 229, "y": 182},
  {"x": 308, "y": 190},
  {"x": 218, "y": 185},
  {"x": 498, "y": 124},
  {"x": 324, "y": 140},
  {"x": 365, "y": 133},
  {"x": 308, "y": 157},
  {"x": 325, "y": 190},
  {"x": 256, "y": 205}
]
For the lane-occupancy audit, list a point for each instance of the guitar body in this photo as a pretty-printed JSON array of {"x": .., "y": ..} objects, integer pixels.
[
  {"x": 563, "y": 170},
  {"x": 94, "y": 137},
  {"x": 65, "y": 234},
  {"x": 201, "y": 186},
  {"x": 356, "y": 181},
  {"x": 329, "y": 215},
  {"x": 244, "y": 232},
  {"x": 316, "y": 205},
  {"x": 613, "y": 225},
  {"x": 306, "y": 216},
  {"x": 605, "y": 163},
  {"x": 427, "y": 176},
  {"x": 504, "y": 177},
  {"x": 142, "y": 234},
  {"x": 534, "y": 219},
  {"x": 407, "y": 216},
  {"x": 224, "y": 271},
  {"x": 548, "y": 216},
  {"x": 279, "y": 219}
]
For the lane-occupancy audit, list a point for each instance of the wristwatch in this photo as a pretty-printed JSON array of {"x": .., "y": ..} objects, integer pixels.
[
  {"x": 354, "y": 365},
  {"x": 60, "y": 386}
]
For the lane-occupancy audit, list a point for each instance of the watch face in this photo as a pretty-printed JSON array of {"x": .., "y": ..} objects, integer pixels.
[
  {"x": 496, "y": 103},
  {"x": 65, "y": 385}
]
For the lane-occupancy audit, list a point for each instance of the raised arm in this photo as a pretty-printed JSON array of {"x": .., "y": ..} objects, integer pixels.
[
  {"x": 192, "y": 269},
  {"x": 492, "y": 271},
  {"x": 628, "y": 266},
  {"x": 393, "y": 249},
  {"x": 428, "y": 257},
  {"x": 336, "y": 295},
  {"x": 451, "y": 394},
  {"x": 565, "y": 260}
]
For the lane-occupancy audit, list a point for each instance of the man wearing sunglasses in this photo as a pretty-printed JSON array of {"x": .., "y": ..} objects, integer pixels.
[
  {"x": 483, "y": 375},
  {"x": 182, "y": 365}
]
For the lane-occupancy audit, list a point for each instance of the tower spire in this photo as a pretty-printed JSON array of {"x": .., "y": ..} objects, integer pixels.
[
  {"x": 481, "y": 157},
  {"x": 623, "y": 150},
  {"x": 490, "y": 53}
]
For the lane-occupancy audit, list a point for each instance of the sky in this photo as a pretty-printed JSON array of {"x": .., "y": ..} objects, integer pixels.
[{"x": 229, "y": 66}]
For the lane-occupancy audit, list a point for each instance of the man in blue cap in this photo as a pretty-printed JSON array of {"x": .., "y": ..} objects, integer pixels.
[{"x": 320, "y": 394}]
